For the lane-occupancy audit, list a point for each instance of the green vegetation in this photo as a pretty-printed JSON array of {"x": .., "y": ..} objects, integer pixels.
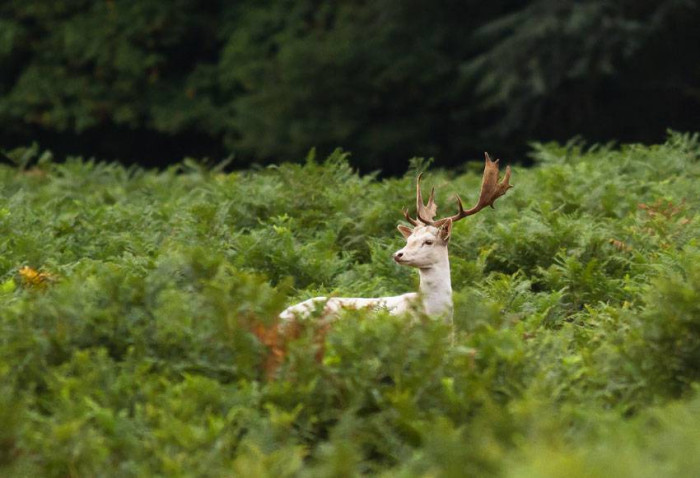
[
  {"x": 387, "y": 79},
  {"x": 128, "y": 299}
]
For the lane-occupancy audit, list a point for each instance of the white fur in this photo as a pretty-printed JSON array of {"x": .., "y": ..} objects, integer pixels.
[{"x": 426, "y": 250}]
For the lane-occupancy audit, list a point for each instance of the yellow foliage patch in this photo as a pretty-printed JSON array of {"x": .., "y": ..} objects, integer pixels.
[{"x": 33, "y": 278}]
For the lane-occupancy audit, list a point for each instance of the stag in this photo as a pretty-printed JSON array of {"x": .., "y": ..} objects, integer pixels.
[{"x": 426, "y": 250}]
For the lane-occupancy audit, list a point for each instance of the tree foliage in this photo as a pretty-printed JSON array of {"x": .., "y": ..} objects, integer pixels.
[
  {"x": 387, "y": 79},
  {"x": 129, "y": 301}
]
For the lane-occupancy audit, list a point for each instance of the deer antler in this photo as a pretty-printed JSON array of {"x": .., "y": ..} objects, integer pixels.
[
  {"x": 491, "y": 190},
  {"x": 423, "y": 211}
]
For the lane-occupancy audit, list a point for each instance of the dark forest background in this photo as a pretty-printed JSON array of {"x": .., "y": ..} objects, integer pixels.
[{"x": 153, "y": 81}]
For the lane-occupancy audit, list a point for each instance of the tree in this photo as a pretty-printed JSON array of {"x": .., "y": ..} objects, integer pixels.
[{"x": 387, "y": 80}]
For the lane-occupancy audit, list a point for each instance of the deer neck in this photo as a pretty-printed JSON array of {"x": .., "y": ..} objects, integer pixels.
[{"x": 436, "y": 288}]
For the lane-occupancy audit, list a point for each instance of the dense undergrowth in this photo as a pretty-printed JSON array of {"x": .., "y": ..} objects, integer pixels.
[{"x": 127, "y": 300}]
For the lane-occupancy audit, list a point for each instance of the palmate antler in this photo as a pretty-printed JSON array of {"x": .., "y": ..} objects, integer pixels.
[
  {"x": 427, "y": 211},
  {"x": 491, "y": 189}
]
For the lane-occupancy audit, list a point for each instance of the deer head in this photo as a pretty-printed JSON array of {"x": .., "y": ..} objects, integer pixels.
[{"x": 426, "y": 243}]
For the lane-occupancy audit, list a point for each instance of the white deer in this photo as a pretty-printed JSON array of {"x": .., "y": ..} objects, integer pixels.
[{"x": 426, "y": 250}]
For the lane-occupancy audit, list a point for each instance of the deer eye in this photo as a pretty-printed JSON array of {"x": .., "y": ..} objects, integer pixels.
[{"x": 427, "y": 243}]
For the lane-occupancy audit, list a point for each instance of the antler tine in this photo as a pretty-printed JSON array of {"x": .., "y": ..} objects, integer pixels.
[
  {"x": 409, "y": 218},
  {"x": 491, "y": 190},
  {"x": 426, "y": 212}
]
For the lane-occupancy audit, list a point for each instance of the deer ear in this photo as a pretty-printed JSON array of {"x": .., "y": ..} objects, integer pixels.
[
  {"x": 405, "y": 231},
  {"x": 446, "y": 230}
]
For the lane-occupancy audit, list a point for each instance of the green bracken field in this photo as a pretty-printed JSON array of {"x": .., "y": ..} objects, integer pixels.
[{"x": 129, "y": 300}]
